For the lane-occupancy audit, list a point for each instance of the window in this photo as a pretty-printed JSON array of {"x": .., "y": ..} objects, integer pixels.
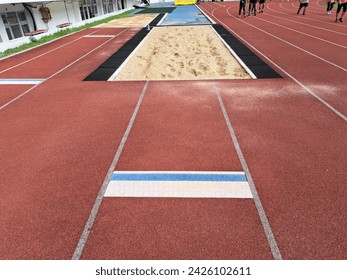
[
  {"x": 88, "y": 9},
  {"x": 107, "y": 6},
  {"x": 16, "y": 24}
]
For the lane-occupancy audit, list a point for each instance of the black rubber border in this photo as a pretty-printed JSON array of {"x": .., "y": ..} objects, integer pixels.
[
  {"x": 107, "y": 68},
  {"x": 259, "y": 68}
]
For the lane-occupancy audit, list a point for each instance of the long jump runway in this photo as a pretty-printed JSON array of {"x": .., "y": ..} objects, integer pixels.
[{"x": 68, "y": 145}]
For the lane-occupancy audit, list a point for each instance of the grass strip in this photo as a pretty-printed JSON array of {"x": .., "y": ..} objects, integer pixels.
[{"x": 61, "y": 33}]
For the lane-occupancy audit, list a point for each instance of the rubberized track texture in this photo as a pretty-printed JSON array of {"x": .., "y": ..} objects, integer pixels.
[{"x": 61, "y": 138}]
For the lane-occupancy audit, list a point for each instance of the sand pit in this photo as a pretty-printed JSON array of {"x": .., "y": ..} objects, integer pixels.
[
  {"x": 182, "y": 53},
  {"x": 141, "y": 20}
]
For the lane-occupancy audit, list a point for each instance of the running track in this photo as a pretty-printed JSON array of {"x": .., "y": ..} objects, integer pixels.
[{"x": 62, "y": 138}]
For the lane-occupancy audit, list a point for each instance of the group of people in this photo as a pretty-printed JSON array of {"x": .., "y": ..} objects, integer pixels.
[
  {"x": 252, "y": 8},
  {"x": 341, "y": 6}
]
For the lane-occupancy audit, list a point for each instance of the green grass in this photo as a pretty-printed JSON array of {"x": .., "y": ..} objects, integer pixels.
[
  {"x": 61, "y": 33},
  {"x": 325, "y": 4}
]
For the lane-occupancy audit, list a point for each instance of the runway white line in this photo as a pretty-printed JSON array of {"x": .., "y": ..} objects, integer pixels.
[
  {"x": 21, "y": 81},
  {"x": 94, "y": 211},
  {"x": 276, "y": 253},
  {"x": 99, "y": 36}
]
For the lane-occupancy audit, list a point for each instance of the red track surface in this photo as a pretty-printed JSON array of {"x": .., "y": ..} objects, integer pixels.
[{"x": 59, "y": 139}]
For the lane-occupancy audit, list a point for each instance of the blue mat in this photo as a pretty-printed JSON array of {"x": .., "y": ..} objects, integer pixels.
[{"x": 185, "y": 15}]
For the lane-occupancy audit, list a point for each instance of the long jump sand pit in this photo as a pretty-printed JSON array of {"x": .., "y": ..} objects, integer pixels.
[
  {"x": 181, "y": 53},
  {"x": 141, "y": 20}
]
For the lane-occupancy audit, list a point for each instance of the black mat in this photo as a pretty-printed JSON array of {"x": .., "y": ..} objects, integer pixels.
[{"x": 259, "y": 68}]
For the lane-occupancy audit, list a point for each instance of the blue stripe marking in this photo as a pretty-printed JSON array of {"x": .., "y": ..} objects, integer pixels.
[{"x": 178, "y": 177}]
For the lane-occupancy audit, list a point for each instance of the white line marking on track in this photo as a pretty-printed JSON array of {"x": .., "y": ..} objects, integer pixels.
[
  {"x": 306, "y": 18},
  {"x": 301, "y": 23},
  {"x": 99, "y": 36},
  {"x": 179, "y": 185},
  {"x": 317, "y": 38},
  {"x": 261, "y": 212},
  {"x": 293, "y": 45},
  {"x": 21, "y": 81},
  {"x": 56, "y": 73},
  {"x": 90, "y": 222}
]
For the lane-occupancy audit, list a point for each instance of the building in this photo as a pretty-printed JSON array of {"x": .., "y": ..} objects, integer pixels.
[{"x": 20, "y": 17}]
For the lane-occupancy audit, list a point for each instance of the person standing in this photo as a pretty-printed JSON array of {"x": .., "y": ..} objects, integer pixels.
[
  {"x": 342, "y": 5},
  {"x": 330, "y": 6},
  {"x": 303, "y": 4},
  {"x": 261, "y": 6},
  {"x": 252, "y": 7},
  {"x": 242, "y": 7}
]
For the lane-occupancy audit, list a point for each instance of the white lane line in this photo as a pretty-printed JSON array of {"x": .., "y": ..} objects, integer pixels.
[
  {"x": 333, "y": 109},
  {"x": 99, "y": 36},
  {"x": 43, "y": 54},
  {"x": 94, "y": 211},
  {"x": 293, "y": 45},
  {"x": 303, "y": 18},
  {"x": 56, "y": 73},
  {"x": 179, "y": 185},
  {"x": 21, "y": 81},
  {"x": 301, "y": 23},
  {"x": 303, "y": 33},
  {"x": 261, "y": 212}
]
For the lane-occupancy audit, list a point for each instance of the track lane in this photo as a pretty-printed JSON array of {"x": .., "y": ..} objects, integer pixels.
[
  {"x": 313, "y": 79},
  {"x": 88, "y": 120},
  {"x": 65, "y": 136},
  {"x": 304, "y": 31},
  {"x": 54, "y": 60},
  {"x": 119, "y": 43},
  {"x": 281, "y": 130},
  {"x": 9, "y": 92},
  {"x": 323, "y": 22},
  {"x": 41, "y": 50},
  {"x": 329, "y": 34},
  {"x": 178, "y": 127},
  {"x": 300, "y": 184}
]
